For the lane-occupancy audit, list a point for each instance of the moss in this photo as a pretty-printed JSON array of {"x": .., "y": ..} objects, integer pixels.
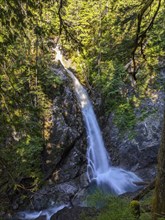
[{"x": 135, "y": 208}]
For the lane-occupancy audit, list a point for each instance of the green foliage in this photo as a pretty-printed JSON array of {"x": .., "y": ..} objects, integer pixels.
[
  {"x": 108, "y": 33},
  {"x": 28, "y": 152},
  {"x": 112, "y": 208},
  {"x": 27, "y": 87}
]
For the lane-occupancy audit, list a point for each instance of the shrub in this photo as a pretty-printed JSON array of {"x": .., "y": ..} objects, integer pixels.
[{"x": 111, "y": 207}]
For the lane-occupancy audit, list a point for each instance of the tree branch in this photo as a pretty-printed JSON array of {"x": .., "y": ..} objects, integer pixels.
[{"x": 141, "y": 36}]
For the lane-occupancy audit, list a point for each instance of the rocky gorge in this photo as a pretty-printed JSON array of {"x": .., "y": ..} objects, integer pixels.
[{"x": 64, "y": 156}]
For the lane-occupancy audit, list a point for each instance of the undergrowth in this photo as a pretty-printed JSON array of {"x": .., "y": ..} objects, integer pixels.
[{"x": 117, "y": 208}]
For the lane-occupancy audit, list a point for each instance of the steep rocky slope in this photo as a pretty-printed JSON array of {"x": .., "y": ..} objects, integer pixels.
[
  {"x": 138, "y": 153},
  {"x": 64, "y": 157}
]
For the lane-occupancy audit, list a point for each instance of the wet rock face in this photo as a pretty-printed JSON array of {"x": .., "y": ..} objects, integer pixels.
[
  {"x": 51, "y": 195},
  {"x": 138, "y": 154},
  {"x": 64, "y": 158},
  {"x": 71, "y": 193},
  {"x": 67, "y": 138}
]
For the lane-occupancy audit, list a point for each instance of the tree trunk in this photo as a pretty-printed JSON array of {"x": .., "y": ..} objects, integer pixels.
[{"x": 159, "y": 199}]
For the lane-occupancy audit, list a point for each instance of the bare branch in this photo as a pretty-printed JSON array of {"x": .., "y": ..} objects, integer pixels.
[{"x": 141, "y": 36}]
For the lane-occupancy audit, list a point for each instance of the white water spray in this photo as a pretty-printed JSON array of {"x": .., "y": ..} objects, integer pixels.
[{"x": 107, "y": 177}]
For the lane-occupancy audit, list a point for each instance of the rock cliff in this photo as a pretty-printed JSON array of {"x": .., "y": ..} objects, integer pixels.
[
  {"x": 64, "y": 157},
  {"x": 139, "y": 153}
]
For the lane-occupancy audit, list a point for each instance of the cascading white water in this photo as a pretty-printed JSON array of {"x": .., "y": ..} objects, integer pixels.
[
  {"x": 47, "y": 213},
  {"x": 108, "y": 178}
]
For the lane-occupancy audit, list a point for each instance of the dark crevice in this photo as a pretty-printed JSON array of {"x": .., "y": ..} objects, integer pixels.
[{"x": 63, "y": 156}]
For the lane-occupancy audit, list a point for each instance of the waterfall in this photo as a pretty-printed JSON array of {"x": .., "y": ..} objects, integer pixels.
[{"x": 99, "y": 169}]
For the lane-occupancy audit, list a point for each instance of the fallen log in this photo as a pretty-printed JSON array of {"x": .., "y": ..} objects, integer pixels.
[
  {"x": 145, "y": 190},
  {"x": 141, "y": 183}
]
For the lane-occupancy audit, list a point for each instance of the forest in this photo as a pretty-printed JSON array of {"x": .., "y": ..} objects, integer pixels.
[{"x": 117, "y": 50}]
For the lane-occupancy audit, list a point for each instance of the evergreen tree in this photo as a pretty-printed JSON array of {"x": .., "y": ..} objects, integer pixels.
[{"x": 26, "y": 88}]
